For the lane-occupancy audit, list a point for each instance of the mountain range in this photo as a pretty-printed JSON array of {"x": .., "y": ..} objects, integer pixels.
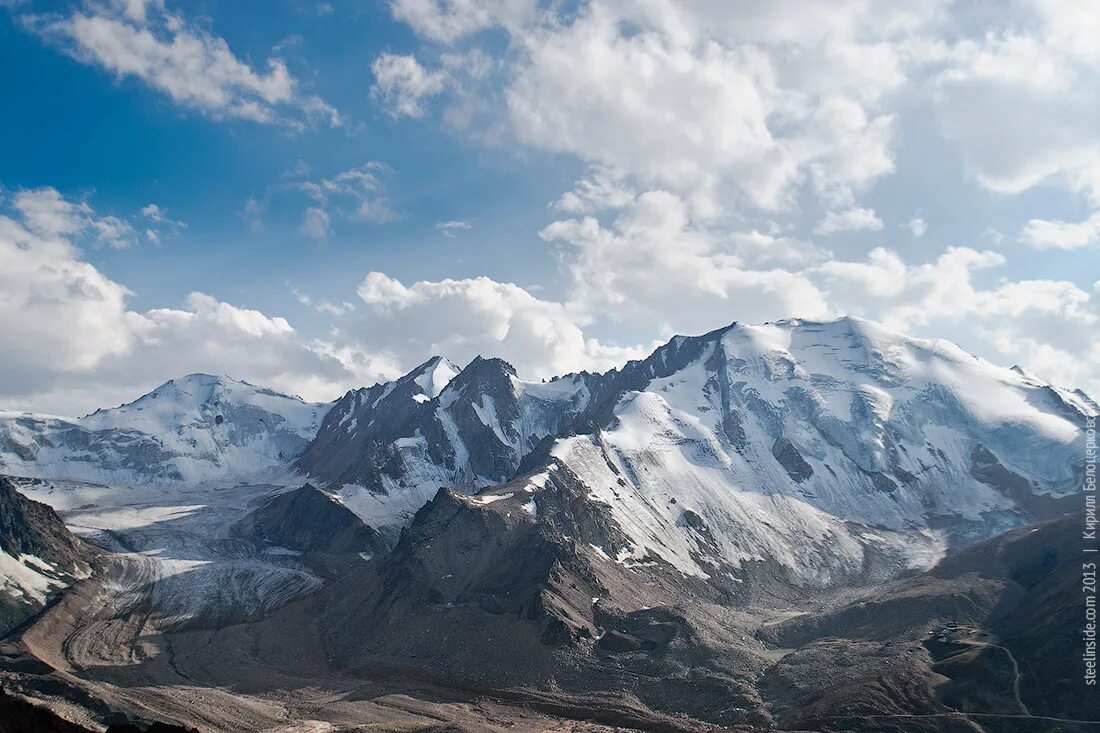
[{"x": 644, "y": 547}]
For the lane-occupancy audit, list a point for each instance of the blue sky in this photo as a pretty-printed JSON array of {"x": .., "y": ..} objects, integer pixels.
[
  {"x": 121, "y": 145},
  {"x": 318, "y": 195}
]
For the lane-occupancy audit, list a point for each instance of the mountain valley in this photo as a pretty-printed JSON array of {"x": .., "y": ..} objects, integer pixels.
[{"x": 794, "y": 526}]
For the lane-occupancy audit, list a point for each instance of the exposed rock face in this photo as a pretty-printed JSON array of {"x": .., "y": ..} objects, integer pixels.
[
  {"x": 994, "y": 629},
  {"x": 514, "y": 587},
  {"x": 789, "y": 457},
  {"x": 38, "y": 556},
  {"x": 308, "y": 520},
  {"x": 389, "y": 449}
]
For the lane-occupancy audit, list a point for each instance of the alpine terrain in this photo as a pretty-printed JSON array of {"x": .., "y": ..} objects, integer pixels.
[{"x": 790, "y": 526}]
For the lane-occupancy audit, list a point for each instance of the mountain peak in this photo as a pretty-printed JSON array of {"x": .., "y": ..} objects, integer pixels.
[{"x": 434, "y": 375}]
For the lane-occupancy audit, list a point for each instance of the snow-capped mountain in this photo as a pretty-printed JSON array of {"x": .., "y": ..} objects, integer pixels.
[
  {"x": 196, "y": 429},
  {"x": 635, "y": 530},
  {"x": 833, "y": 449},
  {"x": 388, "y": 449}
]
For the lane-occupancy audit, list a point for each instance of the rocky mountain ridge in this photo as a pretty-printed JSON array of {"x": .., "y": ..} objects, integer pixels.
[{"x": 840, "y": 451}]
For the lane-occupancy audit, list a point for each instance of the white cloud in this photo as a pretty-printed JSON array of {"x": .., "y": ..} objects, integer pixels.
[
  {"x": 449, "y": 20},
  {"x": 653, "y": 265},
  {"x": 323, "y": 306},
  {"x": 1053, "y": 234},
  {"x": 678, "y": 96},
  {"x": 58, "y": 312},
  {"x": 1012, "y": 99},
  {"x": 315, "y": 223},
  {"x": 356, "y": 194},
  {"x": 602, "y": 189},
  {"x": 882, "y": 275},
  {"x": 462, "y": 319},
  {"x": 193, "y": 67},
  {"x": 160, "y": 223},
  {"x": 403, "y": 84},
  {"x": 849, "y": 220},
  {"x": 71, "y": 344},
  {"x": 448, "y": 228},
  {"x": 917, "y": 226},
  {"x": 47, "y": 213}
]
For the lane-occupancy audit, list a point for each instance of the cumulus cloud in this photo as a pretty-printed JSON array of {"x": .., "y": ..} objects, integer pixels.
[
  {"x": 449, "y": 20},
  {"x": 1011, "y": 98},
  {"x": 47, "y": 213},
  {"x": 402, "y": 84},
  {"x": 602, "y": 189},
  {"x": 945, "y": 289},
  {"x": 71, "y": 343},
  {"x": 1054, "y": 234},
  {"x": 883, "y": 274},
  {"x": 653, "y": 264},
  {"x": 191, "y": 66},
  {"x": 917, "y": 226},
  {"x": 684, "y": 98},
  {"x": 462, "y": 319},
  {"x": 849, "y": 220}
]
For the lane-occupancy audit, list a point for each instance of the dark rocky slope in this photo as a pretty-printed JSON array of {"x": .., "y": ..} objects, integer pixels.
[
  {"x": 41, "y": 556},
  {"x": 310, "y": 521},
  {"x": 994, "y": 630},
  {"x": 508, "y": 590}
]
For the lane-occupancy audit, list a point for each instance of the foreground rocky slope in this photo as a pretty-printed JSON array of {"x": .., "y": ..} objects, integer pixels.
[
  {"x": 38, "y": 556},
  {"x": 993, "y": 632},
  {"x": 482, "y": 620}
]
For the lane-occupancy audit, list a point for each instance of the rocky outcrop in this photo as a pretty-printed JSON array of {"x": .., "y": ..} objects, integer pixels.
[
  {"x": 994, "y": 629},
  {"x": 308, "y": 520},
  {"x": 39, "y": 557}
]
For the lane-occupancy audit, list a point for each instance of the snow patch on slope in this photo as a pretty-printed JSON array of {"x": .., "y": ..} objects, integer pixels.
[
  {"x": 28, "y": 578},
  {"x": 438, "y": 374}
]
